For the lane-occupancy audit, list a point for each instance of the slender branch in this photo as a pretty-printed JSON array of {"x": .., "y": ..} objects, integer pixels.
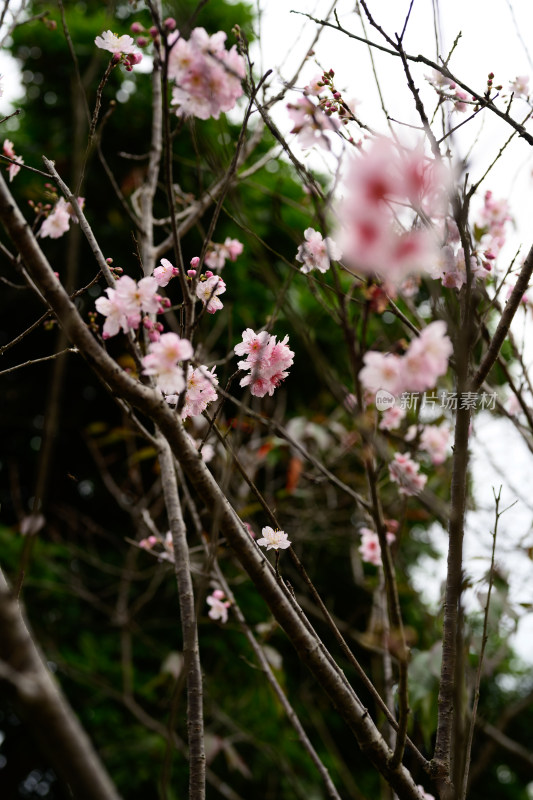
[
  {"x": 39, "y": 360},
  {"x": 484, "y": 639},
  {"x": 191, "y": 651}
]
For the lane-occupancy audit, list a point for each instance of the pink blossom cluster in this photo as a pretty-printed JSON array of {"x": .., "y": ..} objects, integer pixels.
[
  {"x": 425, "y": 360},
  {"x": 162, "y": 362},
  {"x": 201, "y": 391},
  {"x": 493, "y": 218},
  {"x": 163, "y": 547},
  {"x": 311, "y": 123},
  {"x": 218, "y": 606},
  {"x": 450, "y": 267},
  {"x": 122, "y": 47},
  {"x": 9, "y": 150},
  {"x": 316, "y": 252},
  {"x": 267, "y": 359},
  {"x": 434, "y": 439},
  {"x": 124, "y": 305},
  {"x": 370, "y": 548},
  {"x": 207, "y": 77},
  {"x": 405, "y": 472},
  {"x": 58, "y": 220},
  {"x": 207, "y": 290},
  {"x": 447, "y": 90},
  {"x": 218, "y": 254},
  {"x": 380, "y": 185}
]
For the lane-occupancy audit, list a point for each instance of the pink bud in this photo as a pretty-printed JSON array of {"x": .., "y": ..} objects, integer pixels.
[
  {"x": 153, "y": 32},
  {"x": 115, "y": 59},
  {"x": 148, "y": 324},
  {"x": 208, "y": 274},
  {"x": 191, "y": 273},
  {"x": 166, "y": 302},
  {"x": 195, "y": 261},
  {"x": 170, "y": 23},
  {"x": 153, "y": 336},
  {"x": 142, "y": 41},
  {"x": 136, "y": 27},
  {"x": 218, "y": 594}
]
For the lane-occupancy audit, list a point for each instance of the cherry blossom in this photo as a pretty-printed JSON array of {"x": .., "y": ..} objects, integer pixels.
[
  {"x": 118, "y": 45},
  {"x": 207, "y": 77},
  {"x": 165, "y": 272},
  {"x": 201, "y": 391},
  {"x": 311, "y": 122},
  {"x": 520, "y": 86},
  {"x": 274, "y": 539},
  {"x": 58, "y": 220},
  {"x": 380, "y": 183},
  {"x": 218, "y": 606},
  {"x": 9, "y": 151},
  {"x": 162, "y": 362},
  {"x": 426, "y": 358},
  {"x": 267, "y": 359},
  {"x": 316, "y": 252},
  {"x": 405, "y": 472},
  {"x": 218, "y": 254},
  {"x": 370, "y": 548},
  {"x": 208, "y": 289},
  {"x": 434, "y": 440},
  {"x": 381, "y": 371},
  {"x": 392, "y": 418}
]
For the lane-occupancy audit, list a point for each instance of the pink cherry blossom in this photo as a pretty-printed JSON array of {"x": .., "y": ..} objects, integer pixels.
[
  {"x": 118, "y": 45},
  {"x": 316, "y": 252},
  {"x": 208, "y": 290},
  {"x": 426, "y": 358},
  {"x": 57, "y": 222},
  {"x": 267, "y": 359},
  {"x": 165, "y": 272},
  {"x": 274, "y": 539},
  {"x": 162, "y": 362},
  {"x": 218, "y": 606},
  {"x": 370, "y": 548},
  {"x": 218, "y": 254},
  {"x": 392, "y": 418},
  {"x": 520, "y": 86},
  {"x": 201, "y": 391},
  {"x": 9, "y": 151},
  {"x": 434, "y": 440},
  {"x": 310, "y": 123},
  {"x": 380, "y": 184},
  {"x": 381, "y": 371},
  {"x": 405, "y": 472},
  {"x": 207, "y": 77}
]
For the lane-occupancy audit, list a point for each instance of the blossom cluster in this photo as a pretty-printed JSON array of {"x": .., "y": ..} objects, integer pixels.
[
  {"x": 425, "y": 360},
  {"x": 447, "y": 90},
  {"x": 122, "y": 47},
  {"x": 207, "y": 77},
  {"x": 58, "y": 220},
  {"x": 201, "y": 391},
  {"x": 380, "y": 184},
  {"x": 316, "y": 252},
  {"x": 267, "y": 359},
  {"x": 218, "y": 254},
  {"x": 162, "y": 362},
  {"x": 124, "y": 305},
  {"x": 9, "y": 150},
  {"x": 405, "y": 472}
]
